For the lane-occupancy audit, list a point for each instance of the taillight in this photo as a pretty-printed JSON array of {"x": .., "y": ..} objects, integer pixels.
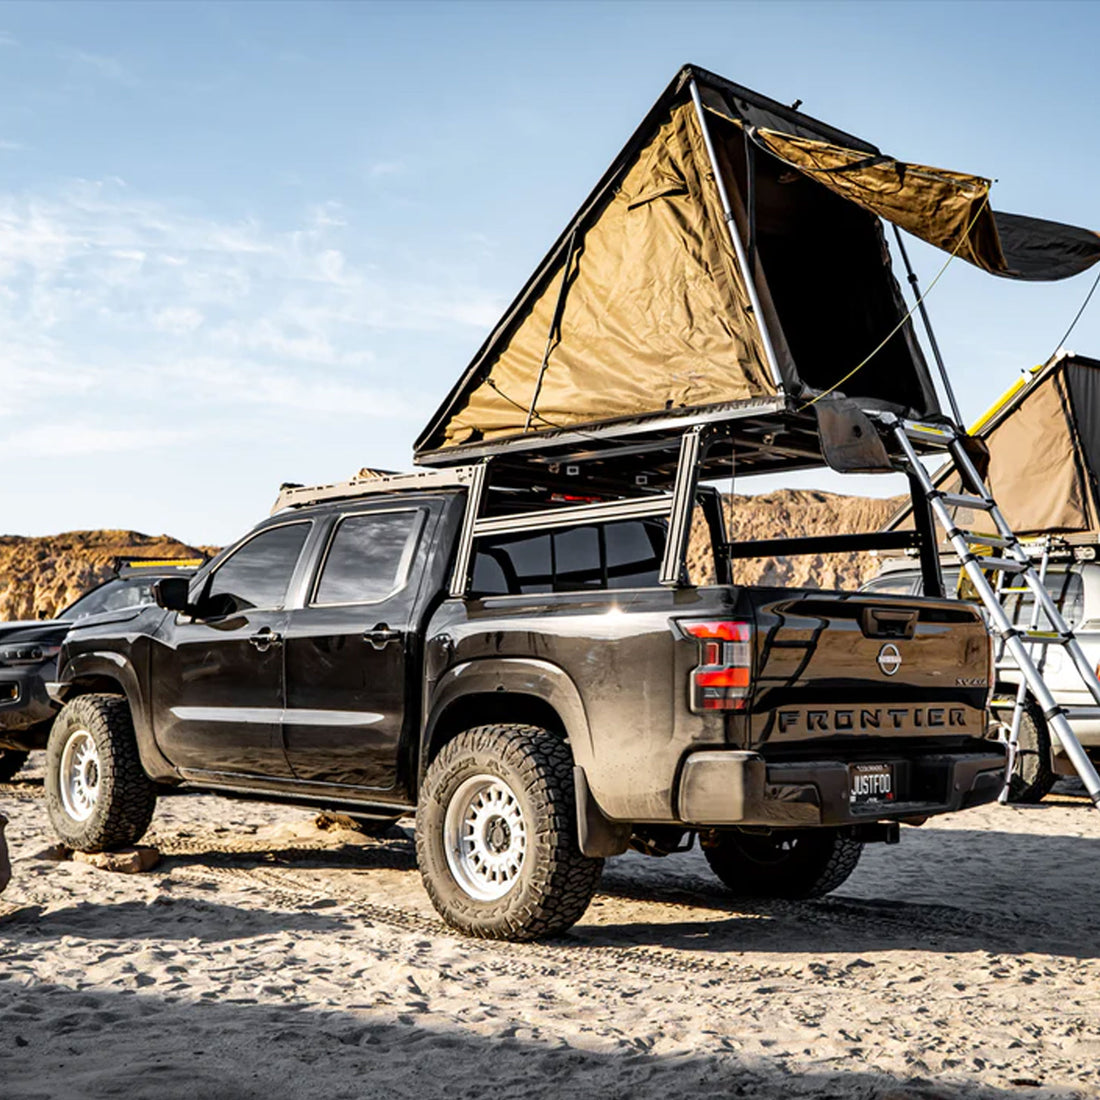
[{"x": 721, "y": 679}]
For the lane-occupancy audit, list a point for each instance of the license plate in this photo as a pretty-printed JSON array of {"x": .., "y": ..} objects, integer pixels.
[{"x": 870, "y": 784}]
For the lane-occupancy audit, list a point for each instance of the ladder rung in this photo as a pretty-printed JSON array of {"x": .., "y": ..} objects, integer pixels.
[
  {"x": 1001, "y": 665},
  {"x": 1015, "y": 588},
  {"x": 1081, "y": 712},
  {"x": 977, "y": 539},
  {"x": 926, "y": 432},
  {"x": 953, "y": 500},
  {"x": 1003, "y": 565},
  {"x": 1043, "y": 637}
]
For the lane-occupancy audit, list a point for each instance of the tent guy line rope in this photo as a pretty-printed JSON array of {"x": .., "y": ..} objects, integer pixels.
[
  {"x": 905, "y": 320},
  {"x": 1073, "y": 324}
]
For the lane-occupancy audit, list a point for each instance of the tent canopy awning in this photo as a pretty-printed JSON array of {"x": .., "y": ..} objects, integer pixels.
[{"x": 733, "y": 252}]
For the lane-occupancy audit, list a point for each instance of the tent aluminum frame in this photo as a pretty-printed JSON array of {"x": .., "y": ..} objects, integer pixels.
[{"x": 677, "y": 506}]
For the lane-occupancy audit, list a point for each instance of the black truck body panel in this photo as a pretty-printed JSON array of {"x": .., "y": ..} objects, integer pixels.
[{"x": 343, "y": 702}]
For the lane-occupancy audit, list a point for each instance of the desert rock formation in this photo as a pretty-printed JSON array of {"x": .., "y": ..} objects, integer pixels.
[
  {"x": 796, "y": 512},
  {"x": 40, "y": 576}
]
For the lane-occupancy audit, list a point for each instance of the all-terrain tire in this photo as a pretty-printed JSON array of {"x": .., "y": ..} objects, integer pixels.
[
  {"x": 11, "y": 760},
  {"x": 495, "y": 784},
  {"x": 785, "y": 863},
  {"x": 98, "y": 796},
  {"x": 1032, "y": 777}
]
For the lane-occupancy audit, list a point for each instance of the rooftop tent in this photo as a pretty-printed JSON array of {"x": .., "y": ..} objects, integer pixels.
[
  {"x": 642, "y": 310},
  {"x": 1043, "y": 437}
]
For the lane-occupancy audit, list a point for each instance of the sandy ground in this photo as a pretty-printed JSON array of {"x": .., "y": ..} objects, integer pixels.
[{"x": 266, "y": 958}]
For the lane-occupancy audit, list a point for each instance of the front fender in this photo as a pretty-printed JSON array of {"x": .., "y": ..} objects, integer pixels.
[{"x": 94, "y": 667}]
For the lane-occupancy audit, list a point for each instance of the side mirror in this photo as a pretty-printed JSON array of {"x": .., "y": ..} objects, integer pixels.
[{"x": 171, "y": 593}]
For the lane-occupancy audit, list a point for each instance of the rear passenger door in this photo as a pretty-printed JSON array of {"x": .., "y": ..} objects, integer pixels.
[{"x": 348, "y": 650}]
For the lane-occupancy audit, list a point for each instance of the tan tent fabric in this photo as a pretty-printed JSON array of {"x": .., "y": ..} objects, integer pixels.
[
  {"x": 655, "y": 316},
  {"x": 1033, "y": 468},
  {"x": 1037, "y": 462},
  {"x": 947, "y": 209}
]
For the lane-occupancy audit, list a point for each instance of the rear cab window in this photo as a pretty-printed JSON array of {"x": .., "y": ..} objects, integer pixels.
[{"x": 595, "y": 557}]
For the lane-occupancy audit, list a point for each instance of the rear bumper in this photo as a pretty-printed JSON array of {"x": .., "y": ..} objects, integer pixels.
[{"x": 742, "y": 788}]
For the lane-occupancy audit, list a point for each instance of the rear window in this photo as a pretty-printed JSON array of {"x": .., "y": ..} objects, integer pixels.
[{"x": 573, "y": 559}]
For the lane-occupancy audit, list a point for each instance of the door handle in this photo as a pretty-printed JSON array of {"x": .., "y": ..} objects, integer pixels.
[
  {"x": 381, "y": 635},
  {"x": 265, "y": 639}
]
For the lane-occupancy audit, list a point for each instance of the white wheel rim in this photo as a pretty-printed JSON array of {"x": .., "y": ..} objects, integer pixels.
[
  {"x": 80, "y": 775},
  {"x": 485, "y": 837}
]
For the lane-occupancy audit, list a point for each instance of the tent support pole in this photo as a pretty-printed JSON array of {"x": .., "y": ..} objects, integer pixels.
[
  {"x": 735, "y": 237},
  {"x": 927, "y": 321}
]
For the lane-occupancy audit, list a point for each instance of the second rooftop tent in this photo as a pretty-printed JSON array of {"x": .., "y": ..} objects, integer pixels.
[
  {"x": 732, "y": 257},
  {"x": 1043, "y": 439}
]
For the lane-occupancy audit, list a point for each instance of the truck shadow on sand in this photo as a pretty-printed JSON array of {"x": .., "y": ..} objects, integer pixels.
[
  {"x": 169, "y": 919},
  {"x": 957, "y": 890},
  {"x": 70, "y": 1044}
]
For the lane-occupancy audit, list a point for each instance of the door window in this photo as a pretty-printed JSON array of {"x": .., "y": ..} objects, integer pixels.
[
  {"x": 368, "y": 557},
  {"x": 258, "y": 574}
]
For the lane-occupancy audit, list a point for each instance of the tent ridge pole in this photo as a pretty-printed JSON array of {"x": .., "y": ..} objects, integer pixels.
[
  {"x": 927, "y": 322},
  {"x": 738, "y": 247}
]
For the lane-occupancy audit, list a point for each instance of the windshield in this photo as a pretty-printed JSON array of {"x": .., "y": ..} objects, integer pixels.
[{"x": 112, "y": 596}]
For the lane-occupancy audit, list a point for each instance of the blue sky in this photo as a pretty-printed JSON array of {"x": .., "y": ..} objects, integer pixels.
[{"x": 249, "y": 243}]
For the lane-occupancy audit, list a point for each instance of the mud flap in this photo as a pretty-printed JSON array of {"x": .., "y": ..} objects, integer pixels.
[{"x": 597, "y": 837}]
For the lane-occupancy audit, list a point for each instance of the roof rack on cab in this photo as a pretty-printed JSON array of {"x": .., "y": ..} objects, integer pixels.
[{"x": 372, "y": 483}]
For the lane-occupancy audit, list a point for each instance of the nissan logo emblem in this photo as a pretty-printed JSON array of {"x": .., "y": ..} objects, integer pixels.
[{"x": 889, "y": 659}]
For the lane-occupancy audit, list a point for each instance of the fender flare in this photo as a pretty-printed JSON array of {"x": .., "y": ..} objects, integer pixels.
[
  {"x": 552, "y": 685},
  {"x": 108, "y": 665}
]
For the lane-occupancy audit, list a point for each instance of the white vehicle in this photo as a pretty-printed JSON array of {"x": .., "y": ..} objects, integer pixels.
[{"x": 1073, "y": 579}]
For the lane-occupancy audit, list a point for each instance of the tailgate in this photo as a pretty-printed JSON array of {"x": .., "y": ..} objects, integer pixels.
[{"x": 832, "y": 665}]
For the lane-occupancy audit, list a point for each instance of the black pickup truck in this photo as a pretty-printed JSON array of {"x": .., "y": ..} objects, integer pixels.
[
  {"x": 28, "y": 653},
  {"x": 535, "y": 695}
]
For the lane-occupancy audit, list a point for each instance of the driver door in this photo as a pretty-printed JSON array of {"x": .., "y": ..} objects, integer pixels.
[{"x": 218, "y": 674}]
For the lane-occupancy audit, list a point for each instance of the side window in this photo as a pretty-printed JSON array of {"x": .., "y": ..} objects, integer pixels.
[
  {"x": 1073, "y": 599},
  {"x": 368, "y": 557},
  {"x": 258, "y": 574},
  {"x": 897, "y": 584},
  {"x": 1065, "y": 588},
  {"x": 626, "y": 554}
]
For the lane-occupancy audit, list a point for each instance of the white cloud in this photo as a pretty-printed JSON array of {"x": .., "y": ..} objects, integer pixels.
[
  {"x": 177, "y": 319},
  {"x": 382, "y": 168},
  {"x": 110, "y": 68},
  {"x": 66, "y": 441},
  {"x": 112, "y": 301}
]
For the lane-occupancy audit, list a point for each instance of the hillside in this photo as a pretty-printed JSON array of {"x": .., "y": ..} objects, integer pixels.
[
  {"x": 796, "y": 512},
  {"x": 40, "y": 576}
]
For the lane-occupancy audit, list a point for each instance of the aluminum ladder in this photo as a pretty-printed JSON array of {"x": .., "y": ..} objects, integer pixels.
[{"x": 1007, "y": 557}]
